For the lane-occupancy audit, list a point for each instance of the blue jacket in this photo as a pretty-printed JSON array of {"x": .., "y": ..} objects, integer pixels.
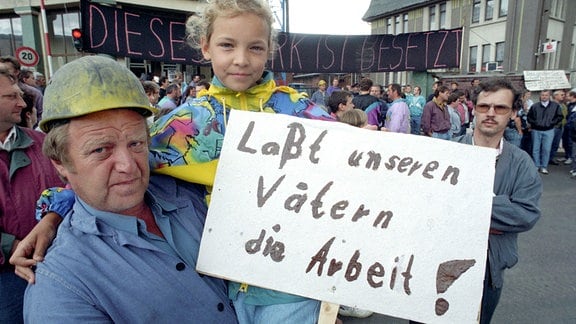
[
  {"x": 515, "y": 206},
  {"x": 104, "y": 268}
]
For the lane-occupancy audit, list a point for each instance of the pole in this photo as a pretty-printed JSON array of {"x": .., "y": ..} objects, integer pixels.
[{"x": 46, "y": 40}]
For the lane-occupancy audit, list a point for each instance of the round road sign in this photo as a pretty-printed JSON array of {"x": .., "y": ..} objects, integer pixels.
[{"x": 27, "y": 56}]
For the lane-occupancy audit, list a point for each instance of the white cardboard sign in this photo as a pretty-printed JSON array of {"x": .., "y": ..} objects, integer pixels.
[
  {"x": 545, "y": 80},
  {"x": 351, "y": 216}
]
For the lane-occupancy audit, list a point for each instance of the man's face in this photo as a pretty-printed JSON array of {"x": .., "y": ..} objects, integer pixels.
[
  {"x": 490, "y": 123},
  {"x": 153, "y": 96},
  {"x": 41, "y": 81},
  {"x": 443, "y": 96},
  {"x": 407, "y": 89},
  {"x": 392, "y": 94},
  {"x": 348, "y": 106},
  {"x": 30, "y": 80},
  {"x": 11, "y": 102},
  {"x": 560, "y": 97},
  {"x": 108, "y": 154},
  {"x": 544, "y": 95},
  {"x": 375, "y": 91}
]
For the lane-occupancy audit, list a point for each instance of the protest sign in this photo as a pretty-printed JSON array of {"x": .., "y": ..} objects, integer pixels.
[
  {"x": 161, "y": 36},
  {"x": 546, "y": 80},
  {"x": 393, "y": 223}
]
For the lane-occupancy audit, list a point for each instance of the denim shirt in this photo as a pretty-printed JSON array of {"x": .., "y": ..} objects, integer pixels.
[{"x": 106, "y": 268}]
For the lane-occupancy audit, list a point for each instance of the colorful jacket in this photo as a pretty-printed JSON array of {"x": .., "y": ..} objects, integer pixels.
[
  {"x": 398, "y": 117},
  {"x": 186, "y": 143},
  {"x": 416, "y": 105}
]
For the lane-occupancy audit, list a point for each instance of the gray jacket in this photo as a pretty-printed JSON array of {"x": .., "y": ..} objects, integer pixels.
[{"x": 515, "y": 207}]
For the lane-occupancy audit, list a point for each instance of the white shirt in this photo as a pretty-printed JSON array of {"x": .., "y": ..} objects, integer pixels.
[{"x": 10, "y": 139}]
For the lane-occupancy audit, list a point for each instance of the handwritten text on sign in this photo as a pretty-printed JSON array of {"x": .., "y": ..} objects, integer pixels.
[
  {"x": 152, "y": 36},
  {"x": 393, "y": 223}
]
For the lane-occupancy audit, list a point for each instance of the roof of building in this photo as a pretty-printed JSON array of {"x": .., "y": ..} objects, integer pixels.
[{"x": 381, "y": 8}]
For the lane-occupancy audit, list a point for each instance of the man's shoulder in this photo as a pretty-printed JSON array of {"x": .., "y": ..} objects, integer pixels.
[
  {"x": 430, "y": 104},
  {"x": 33, "y": 134},
  {"x": 174, "y": 190}
]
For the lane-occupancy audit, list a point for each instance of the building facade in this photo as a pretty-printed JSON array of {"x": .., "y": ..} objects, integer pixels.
[
  {"x": 499, "y": 36},
  {"x": 46, "y": 26}
]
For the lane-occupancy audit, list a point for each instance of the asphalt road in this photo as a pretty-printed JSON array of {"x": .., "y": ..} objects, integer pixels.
[{"x": 541, "y": 288}]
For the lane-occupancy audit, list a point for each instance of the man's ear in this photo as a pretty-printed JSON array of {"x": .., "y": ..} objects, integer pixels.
[{"x": 60, "y": 168}]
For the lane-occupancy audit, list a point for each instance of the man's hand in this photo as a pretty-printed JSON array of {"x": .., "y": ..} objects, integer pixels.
[{"x": 34, "y": 245}]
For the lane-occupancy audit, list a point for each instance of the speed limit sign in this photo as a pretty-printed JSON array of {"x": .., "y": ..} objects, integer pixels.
[{"x": 27, "y": 56}]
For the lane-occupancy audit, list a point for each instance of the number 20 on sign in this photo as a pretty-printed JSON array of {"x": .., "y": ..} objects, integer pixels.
[{"x": 27, "y": 56}]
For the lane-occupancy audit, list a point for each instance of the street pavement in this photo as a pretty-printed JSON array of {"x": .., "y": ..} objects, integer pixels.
[{"x": 541, "y": 288}]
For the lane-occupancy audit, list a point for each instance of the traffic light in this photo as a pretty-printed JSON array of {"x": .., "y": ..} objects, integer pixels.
[{"x": 77, "y": 38}]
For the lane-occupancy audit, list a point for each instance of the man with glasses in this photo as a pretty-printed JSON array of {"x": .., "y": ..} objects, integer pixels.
[
  {"x": 517, "y": 185},
  {"x": 24, "y": 173},
  {"x": 13, "y": 66}
]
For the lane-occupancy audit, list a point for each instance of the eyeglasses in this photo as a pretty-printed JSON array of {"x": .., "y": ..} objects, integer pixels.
[{"x": 498, "y": 109}]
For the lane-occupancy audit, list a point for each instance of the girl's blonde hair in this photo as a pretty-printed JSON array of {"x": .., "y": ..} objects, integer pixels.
[
  {"x": 354, "y": 117},
  {"x": 200, "y": 26}
]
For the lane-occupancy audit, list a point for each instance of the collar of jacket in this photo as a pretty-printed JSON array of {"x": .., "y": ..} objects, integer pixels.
[
  {"x": 253, "y": 98},
  {"x": 18, "y": 156},
  {"x": 441, "y": 105}
]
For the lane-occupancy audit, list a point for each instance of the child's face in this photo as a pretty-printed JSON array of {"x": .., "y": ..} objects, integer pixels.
[{"x": 238, "y": 49}]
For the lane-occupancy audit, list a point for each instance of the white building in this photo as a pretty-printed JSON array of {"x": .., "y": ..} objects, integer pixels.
[{"x": 500, "y": 36}]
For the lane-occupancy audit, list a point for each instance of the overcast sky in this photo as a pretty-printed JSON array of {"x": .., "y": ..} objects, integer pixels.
[{"x": 336, "y": 17}]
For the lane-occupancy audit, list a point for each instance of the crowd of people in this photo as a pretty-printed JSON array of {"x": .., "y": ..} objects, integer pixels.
[
  {"x": 126, "y": 246},
  {"x": 537, "y": 127}
]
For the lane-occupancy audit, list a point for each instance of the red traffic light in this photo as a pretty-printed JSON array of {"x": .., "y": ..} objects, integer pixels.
[
  {"x": 76, "y": 33},
  {"x": 77, "y": 38}
]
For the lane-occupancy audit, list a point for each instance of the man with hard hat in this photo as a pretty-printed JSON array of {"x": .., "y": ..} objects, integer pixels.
[
  {"x": 320, "y": 97},
  {"x": 24, "y": 173},
  {"x": 127, "y": 251}
]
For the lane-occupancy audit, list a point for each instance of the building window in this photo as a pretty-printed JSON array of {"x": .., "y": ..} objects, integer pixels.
[
  {"x": 61, "y": 42},
  {"x": 406, "y": 23},
  {"x": 389, "y": 26},
  {"x": 557, "y": 9},
  {"x": 503, "y": 10},
  {"x": 476, "y": 11},
  {"x": 10, "y": 35},
  {"x": 473, "y": 59},
  {"x": 397, "y": 25},
  {"x": 485, "y": 56},
  {"x": 443, "y": 15},
  {"x": 489, "y": 10},
  {"x": 499, "y": 53},
  {"x": 432, "y": 25}
]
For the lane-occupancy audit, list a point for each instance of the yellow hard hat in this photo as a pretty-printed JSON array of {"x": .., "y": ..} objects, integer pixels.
[
  {"x": 321, "y": 83},
  {"x": 91, "y": 84}
]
